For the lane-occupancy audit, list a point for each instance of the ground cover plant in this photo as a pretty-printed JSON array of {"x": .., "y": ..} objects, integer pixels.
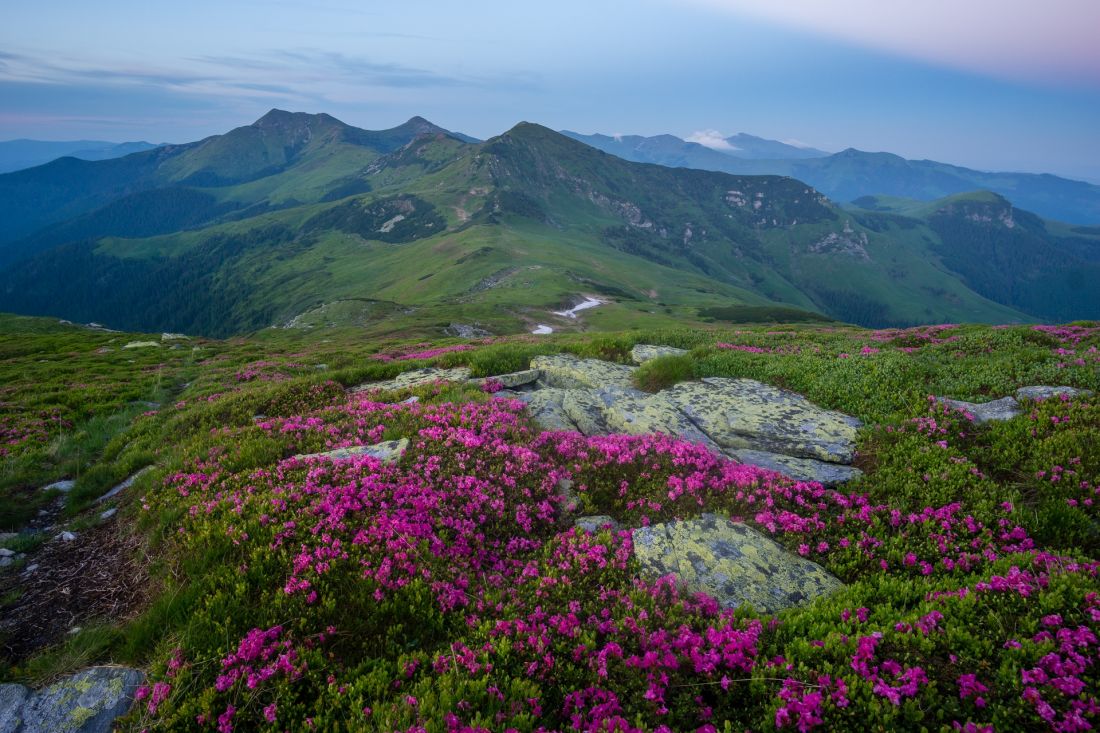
[{"x": 449, "y": 590}]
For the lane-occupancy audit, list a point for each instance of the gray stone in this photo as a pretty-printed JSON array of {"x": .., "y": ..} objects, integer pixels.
[
  {"x": 416, "y": 378},
  {"x": 63, "y": 486},
  {"x": 800, "y": 469},
  {"x": 586, "y": 410},
  {"x": 569, "y": 499},
  {"x": 108, "y": 513},
  {"x": 637, "y": 413},
  {"x": 595, "y": 522},
  {"x": 570, "y": 372},
  {"x": 1045, "y": 393},
  {"x": 125, "y": 484},
  {"x": 744, "y": 413},
  {"x": 6, "y": 561},
  {"x": 1005, "y": 408},
  {"x": 87, "y": 702},
  {"x": 141, "y": 345},
  {"x": 546, "y": 408},
  {"x": 512, "y": 379},
  {"x": 66, "y": 537},
  {"x": 641, "y": 353},
  {"x": 466, "y": 331},
  {"x": 731, "y": 562},
  {"x": 12, "y": 700},
  {"x": 174, "y": 337},
  {"x": 5, "y": 552},
  {"x": 387, "y": 451}
]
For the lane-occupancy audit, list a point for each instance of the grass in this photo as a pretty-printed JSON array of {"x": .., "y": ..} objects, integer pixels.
[{"x": 665, "y": 371}]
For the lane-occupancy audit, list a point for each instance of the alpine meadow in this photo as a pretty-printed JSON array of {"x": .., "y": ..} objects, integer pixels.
[{"x": 311, "y": 426}]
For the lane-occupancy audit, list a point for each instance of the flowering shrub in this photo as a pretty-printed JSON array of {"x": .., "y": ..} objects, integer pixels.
[{"x": 447, "y": 591}]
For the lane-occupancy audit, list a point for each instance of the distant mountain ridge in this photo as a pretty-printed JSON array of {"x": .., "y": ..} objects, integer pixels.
[
  {"x": 851, "y": 174},
  {"x": 19, "y": 154},
  {"x": 415, "y": 224}
]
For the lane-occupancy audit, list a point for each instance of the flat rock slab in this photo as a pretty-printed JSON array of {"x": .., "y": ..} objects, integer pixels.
[
  {"x": 416, "y": 378},
  {"x": 142, "y": 345},
  {"x": 1045, "y": 393},
  {"x": 570, "y": 372},
  {"x": 746, "y": 414},
  {"x": 585, "y": 409},
  {"x": 512, "y": 379},
  {"x": 546, "y": 407},
  {"x": 733, "y": 563},
  {"x": 637, "y": 413},
  {"x": 87, "y": 702},
  {"x": 386, "y": 451},
  {"x": 800, "y": 469},
  {"x": 1005, "y": 408},
  {"x": 641, "y": 353}
]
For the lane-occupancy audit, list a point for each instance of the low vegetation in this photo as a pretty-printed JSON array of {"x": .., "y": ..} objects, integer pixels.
[{"x": 449, "y": 591}]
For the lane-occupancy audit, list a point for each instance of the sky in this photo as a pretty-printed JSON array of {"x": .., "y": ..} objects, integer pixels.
[{"x": 989, "y": 84}]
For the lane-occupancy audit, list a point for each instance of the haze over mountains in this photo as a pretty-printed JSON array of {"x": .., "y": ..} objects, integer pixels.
[
  {"x": 302, "y": 219},
  {"x": 19, "y": 154},
  {"x": 851, "y": 173}
]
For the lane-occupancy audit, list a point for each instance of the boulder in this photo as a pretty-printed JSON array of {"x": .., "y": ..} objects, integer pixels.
[
  {"x": 416, "y": 378},
  {"x": 800, "y": 469},
  {"x": 87, "y": 702},
  {"x": 141, "y": 345},
  {"x": 595, "y": 522},
  {"x": 1045, "y": 393},
  {"x": 546, "y": 408},
  {"x": 570, "y": 372},
  {"x": 641, "y": 353},
  {"x": 744, "y": 413},
  {"x": 387, "y": 451},
  {"x": 637, "y": 413},
  {"x": 1005, "y": 408},
  {"x": 731, "y": 562}
]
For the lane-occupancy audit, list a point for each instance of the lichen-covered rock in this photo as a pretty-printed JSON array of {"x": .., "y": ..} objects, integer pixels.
[
  {"x": 641, "y": 353},
  {"x": 731, "y": 562},
  {"x": 87, "y": 702},
  {"x": 586, "y": 410},
  {"x": 1005, "y": 408},
  {"x": 744, "y": 413},
  {"x": 570, "y": 372},
  {"x": 416, "y": 378},
  {"x": 1045, "y": 393},
  {"x": 386, "y": 451},
  {"x": 12, "y": 700},
  {"x": 595, "y": 522},
  {"x": 637, "y": 413},
  {"x": 512, "y": 379},
  {"x": 800, "y": 469},
  {"x": 141, "y": 345},
  {"x": 546, "y": 409}
]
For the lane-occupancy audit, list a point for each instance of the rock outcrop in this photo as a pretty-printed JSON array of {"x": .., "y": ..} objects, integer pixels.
[
  {"x": 1005, "y": 408},
  {"x": 1045, "y": 393},
  {"x": 641, "y": 353},
  {"x": 731, "y": 562},
  {"x": 386, "y": 451},
  {"x": 87, "y": 702}
]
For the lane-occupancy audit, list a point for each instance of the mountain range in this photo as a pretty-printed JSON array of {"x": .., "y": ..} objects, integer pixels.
[
  {"x": 300, "y": 220},
  {"x": 851, "y": 173},
  {"x": 18, "y": 154}
]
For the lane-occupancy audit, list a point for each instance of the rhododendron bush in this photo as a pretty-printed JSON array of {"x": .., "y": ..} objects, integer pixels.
[{"x": 448, "y": 591}]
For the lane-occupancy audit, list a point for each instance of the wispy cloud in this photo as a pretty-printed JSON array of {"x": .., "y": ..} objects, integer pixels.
[{"x": 1053, "y": 41}]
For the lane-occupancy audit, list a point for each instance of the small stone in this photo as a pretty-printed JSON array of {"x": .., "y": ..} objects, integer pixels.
[
  {"x": 410, "y": 400},
  {"x": 6, "y": 561},
  {"x": 75, "y": 630},
  {"x": 141, "y": 345},
  {"x": 30, "y": 568},
  {"x": 124, "y": 485},
  {"x": 512, "y": 379},
  {"x": 1045, "y": 393},
  {"x": 1005, "y": 408},
  {"x": 62, "y": 486},
  {"x": 5, "y": 552},
  {"x": 66, "y": 536},
  {"x": 595, "y": 522},
  {"x": 109, "y": 513},
  {"x": 641, "y": 353}
]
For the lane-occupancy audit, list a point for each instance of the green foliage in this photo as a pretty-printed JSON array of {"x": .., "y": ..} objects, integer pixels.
[{"x": 665, "y": 371}]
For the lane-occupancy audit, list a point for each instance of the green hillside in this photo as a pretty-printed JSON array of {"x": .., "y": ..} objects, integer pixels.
[{"x": 295, "y": 213}]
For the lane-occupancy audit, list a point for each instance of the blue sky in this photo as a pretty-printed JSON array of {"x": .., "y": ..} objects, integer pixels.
[{"x": 1008, "y": 85}]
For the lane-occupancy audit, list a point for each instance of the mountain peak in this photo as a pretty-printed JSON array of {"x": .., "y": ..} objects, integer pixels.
[{"x": 280, "y": 118}]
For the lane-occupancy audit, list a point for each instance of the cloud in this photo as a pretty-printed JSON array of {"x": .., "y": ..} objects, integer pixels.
[
  {"x": 1053, "y": 41},
  {"x": 711, "y": 139}
]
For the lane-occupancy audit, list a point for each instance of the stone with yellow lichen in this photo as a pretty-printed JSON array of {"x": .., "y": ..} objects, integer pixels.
[
  {"x": 586, "y": 410},
  {"x": 546, "y": 408},
  {"x": 731, "y": 562},
  {"x": 87, "y": 702},
  {"x": 638, "y": 413},
  {"x": 744, "y": 413},
  {"x": 571, "y": 372}
]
